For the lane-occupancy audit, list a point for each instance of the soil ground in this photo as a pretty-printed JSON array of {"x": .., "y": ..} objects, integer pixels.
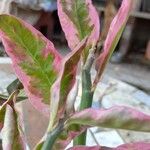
[{"x": 135, "y": 74}]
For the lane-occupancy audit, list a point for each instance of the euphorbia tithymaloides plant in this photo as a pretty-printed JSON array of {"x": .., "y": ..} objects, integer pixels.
[{"x": 49, "y": 79}]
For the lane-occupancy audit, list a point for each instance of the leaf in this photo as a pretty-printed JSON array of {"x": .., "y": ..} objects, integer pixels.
[
  {"x": 2, "y": 115},
  {"x": 132, "y": 146},
  {"x": 63, "y": 85},
  {"x": 116, "y": 28},
  {"x": 116, "y": 117},
  {"x": 70, "y": 105},
  {"x": 3, "y": 98},
  {"x": 60, "y": 92},
  {"x": 35, "y": 60},
  {"x": 85, "y": 148},
  {"x": 11, "y": 125},
  {"x": 40, "y": 144},
  {"x": 12, "y": 136},
  {"x": 3, "y": 109},
  {"x": 79, "y": 19},
  {"x": 15, "y": 85},
  {"x": 109, "y": 13},
  {"x": 68, "y": 135}
]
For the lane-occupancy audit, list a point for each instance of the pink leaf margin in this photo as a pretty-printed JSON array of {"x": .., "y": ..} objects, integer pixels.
[
  {"x": 117, "y": 24},
  {"x": 70, "y": 30},
  {"x": 119, "y": 20},
  {"x": 59, "y": 100},
  {"x": 130, "y": 146},
  {"x": 117, "y": 117},
  {"x": 49, "y": 49}
]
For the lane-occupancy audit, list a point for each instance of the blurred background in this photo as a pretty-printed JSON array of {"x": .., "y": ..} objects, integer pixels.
[{"x": 129, "y": 66}]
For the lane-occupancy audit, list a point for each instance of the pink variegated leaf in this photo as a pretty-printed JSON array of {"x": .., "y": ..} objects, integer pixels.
[
  {"x": 35, "y": 60},
  {"x": 66, "y": 80},
  {"x": 60, "y": 91},
  {"x": 109, "y": 14},
  {"x": 3, "y": 109},
  {"x": 79, "y": 19},
  {"x": 116, "y": 28},
  {"x": 12, "y": 132},
  {"x": 132, "y": 146},
  {"x": 116, "y": 117},
  {"x": 85, "y": 148}
]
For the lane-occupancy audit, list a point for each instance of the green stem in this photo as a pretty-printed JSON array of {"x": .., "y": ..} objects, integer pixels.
[
  {"x": 87, "y": 93},
  {"x": 52, "y": 136},
  {"x": 87, "y": 97}
]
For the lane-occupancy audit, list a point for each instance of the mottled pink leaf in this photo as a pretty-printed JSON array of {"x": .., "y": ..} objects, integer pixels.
[
  {"x": 65, "y": 82},
  {"x": 60, "y": 91},
  {"x": 132, "y": 146},
  {"x": 116, "y": 117},
  {"x": 85, "y": 148},
  {"x": 3, "y": 109},
  {"x": 35, "y": 60},
  {"x": 12, "y": 133},
  {"x": 114, "y": 34},
  {"x": 79, "y": 19}
]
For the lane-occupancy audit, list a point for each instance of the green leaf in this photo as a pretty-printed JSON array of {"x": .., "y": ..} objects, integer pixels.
[
  {"x": 35, "y": 60},
  {"x": 79, "y": 19},
  {"x": 15, "y": 85},
  {"x": 63, "y": 85},
  {"x": 3, "y": 98}
]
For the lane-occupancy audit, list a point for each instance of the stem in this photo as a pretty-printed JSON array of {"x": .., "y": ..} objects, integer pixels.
[
  {"x": 52, "y": 136},
  {"x": 87, "y": 93},
  {"x": 87, "y": 97}
]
